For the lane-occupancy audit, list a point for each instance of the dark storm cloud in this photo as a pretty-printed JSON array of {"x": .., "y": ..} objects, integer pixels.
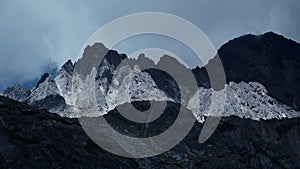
[{"x": 38, "y": 33}]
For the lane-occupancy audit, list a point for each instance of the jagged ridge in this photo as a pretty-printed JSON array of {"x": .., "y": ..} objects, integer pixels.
[{"x": 245, "y": 59}]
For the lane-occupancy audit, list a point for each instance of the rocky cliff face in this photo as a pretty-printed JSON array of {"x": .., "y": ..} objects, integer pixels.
[
  {"x": 104, "y": 79},
  {"x": 49, "y": 93},
  {"x": 32, "y": 138},
  {"x": 63, "y": 80},
  {"x": 16, "y": 92},
  {"x": 245, "y": 100},
  {"x": 46, "y": 87},
  {"x": 259, "y": 128},
  {"x": 269, "y": 59}
]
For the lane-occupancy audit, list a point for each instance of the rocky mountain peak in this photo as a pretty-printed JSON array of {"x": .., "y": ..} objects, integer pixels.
[
  {"x": 96, "y": 50},
  {"x": 16, "y": 92},
  {"x": 46, "y": 87},
  {"x": 269, "y": 59},
  {"x": 42, "y": 79},
  {"x": 68, "y": 67}
]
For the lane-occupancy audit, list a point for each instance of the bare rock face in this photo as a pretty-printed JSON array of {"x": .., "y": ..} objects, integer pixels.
[
  {"x": 63, "y": 81},
  {"x": 269, "y": 59},
  {"x": 32, "y": 138},
  {"x": 16, "y": 92},
  {"x": 262, "y": 72}
]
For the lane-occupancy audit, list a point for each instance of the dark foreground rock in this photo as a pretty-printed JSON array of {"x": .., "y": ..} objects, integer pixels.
[{"x": 31, "y": 138}]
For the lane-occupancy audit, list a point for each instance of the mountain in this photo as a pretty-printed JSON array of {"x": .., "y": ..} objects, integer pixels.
[
  {"x": 114, "y": 80},
  {"x": 269, "y": 59},
  {"x": 16, "y": 92},
  {"x": 259, "y": 125},
  {"x": 45, "y": 87},
  {"x": 46, "y": 94},
  {"x": 33, "y": 138},
  {"x": 63, "y": 80},
  {"x": 245, "y": 100}
]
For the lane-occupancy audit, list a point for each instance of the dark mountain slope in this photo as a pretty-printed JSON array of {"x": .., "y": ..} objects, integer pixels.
[
  {"x": 269, "y": 59},
  {"x": 32, "y": 138}
]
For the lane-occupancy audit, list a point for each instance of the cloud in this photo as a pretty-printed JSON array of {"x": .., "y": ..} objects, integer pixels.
[
  {"x": 35, "y": 33},
  {"x": 284, "y": 18}
]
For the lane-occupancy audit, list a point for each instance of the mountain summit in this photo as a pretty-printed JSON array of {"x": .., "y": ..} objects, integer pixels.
[
  {"x": 269, "y": 60},
  {"x": 16, "y": 92},
  {"x": 259, "y": 127}
]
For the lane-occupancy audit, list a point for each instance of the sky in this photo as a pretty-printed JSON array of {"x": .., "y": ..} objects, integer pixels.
[{"x": 38, "y": 36}]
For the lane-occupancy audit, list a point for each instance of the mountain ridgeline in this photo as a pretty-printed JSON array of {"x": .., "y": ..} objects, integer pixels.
[
  {"x": 259, "y": 128},
  {"x": 269, "y": 59}
]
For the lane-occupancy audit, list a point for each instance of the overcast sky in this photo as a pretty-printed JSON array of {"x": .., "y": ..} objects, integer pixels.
[{"x": 36, "y": 36}]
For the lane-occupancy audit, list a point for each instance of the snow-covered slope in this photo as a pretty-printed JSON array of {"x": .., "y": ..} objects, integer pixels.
[
  {"x": 16, "y": 92},
  {"x": 245, "y": 100}
]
